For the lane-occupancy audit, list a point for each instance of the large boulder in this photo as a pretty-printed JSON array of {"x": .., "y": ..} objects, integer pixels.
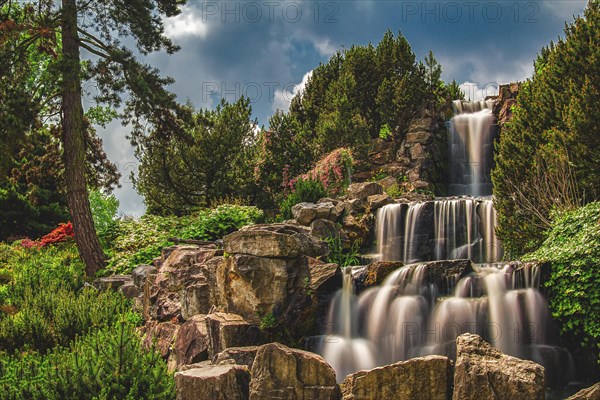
[
  {"x": 364, "y": 190},
  {"x": 483, "y": 372},
  {"x": 214, "y": 382},
  {"x": 377, "y": 201},
  {"x": 183, "y": 286},
  {"x": 274, "y": 241},
  {"x": 230, "y": 330},
  {"x": 191, "y": 343},
  {"x": 254, "y": 286},
  {"x": 237, "y": 355},
  {"x": 323, "y": 229},
  {"x": 305, "y": 213},
  {"x": 280, "y": 372},
  {"x": 591, "y": 393},
  {"x": 141, "y": 273},
  {"x": 160, "y": 335},
  {"x": 424, "y": 378}
]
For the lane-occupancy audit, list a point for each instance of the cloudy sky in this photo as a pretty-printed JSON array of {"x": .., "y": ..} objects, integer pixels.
[{"x": 266, "y": 49}]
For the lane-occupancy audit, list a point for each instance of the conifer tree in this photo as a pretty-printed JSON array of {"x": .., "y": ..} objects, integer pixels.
[{"x": 70, "y": 27}]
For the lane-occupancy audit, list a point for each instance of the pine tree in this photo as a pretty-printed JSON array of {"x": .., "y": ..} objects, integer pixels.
[
  {"x": 71, "y": 26},
  {"x": 548, "y": 156}
]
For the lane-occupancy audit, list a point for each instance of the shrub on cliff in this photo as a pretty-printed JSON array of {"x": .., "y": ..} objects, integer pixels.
[
  {"x": 548, "y": 156},
  {"x": 573, "y": 249}
]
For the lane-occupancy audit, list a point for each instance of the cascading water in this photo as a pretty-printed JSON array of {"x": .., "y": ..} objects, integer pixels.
[
  {"x": 471, "y": 144},
  {"x": 406, "y": 316},
  {"x": 441, "y": 229}
]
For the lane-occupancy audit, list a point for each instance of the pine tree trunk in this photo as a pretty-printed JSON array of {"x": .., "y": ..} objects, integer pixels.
[{"x": 74, "y": 145}]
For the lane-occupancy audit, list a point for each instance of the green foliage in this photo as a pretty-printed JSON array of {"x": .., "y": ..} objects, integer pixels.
[
  {"x": 210, "y": 160},
  {"x": 106, "y": 364},
  {"x": 139, "y": 241},
  {"x": 60, "y": 339},
  {"x": 394, "y": 191},
  {"x": 104, "y": 211},
  {"x": 268, "y": 322},
  {"x": 340, "y": 256},
  {"x": 385, "y": 131},
  {"x": 305, "y": 190},
  {"x": 572, "y": 247},
  {"x": 548, "y": 156}
]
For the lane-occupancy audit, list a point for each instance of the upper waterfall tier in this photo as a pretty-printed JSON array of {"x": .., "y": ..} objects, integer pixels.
[
  {"x": 471, "y": 148},
  {"x": 442, "y": 229}
]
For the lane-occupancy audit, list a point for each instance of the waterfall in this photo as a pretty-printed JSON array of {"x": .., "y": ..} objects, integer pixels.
[
  {"x": 441, "y": 229},
  {"x": 471, "y": 144},
  {"x": 405, "y": 318}
]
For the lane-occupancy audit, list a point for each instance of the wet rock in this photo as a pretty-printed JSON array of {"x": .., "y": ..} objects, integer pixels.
[
  {"x": 275, "y": 240},
  {"x": 324, "y": 277},
  {"x": 364, "y": 190},
  {"x": 375, "y": 273},
  {"x": 237, "y": 355},
  {"x": 591, "y": 393},
  {"x": 424, "y": 378},
  {"x": 214, "y": 382},
  {"x": 483, "y": 372},
  {"x": 280, "y": 372}
]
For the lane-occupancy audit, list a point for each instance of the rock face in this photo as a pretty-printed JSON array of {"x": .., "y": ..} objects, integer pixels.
[
  {"x": 279, "y": 372},
  {"x": 305, "y": 213},
  {"x": 275, "y": 241},
  {"x": 230, "y": 330},
  {"x": 483, "y": 372},
  {"x": 507, "y": 98},
  {"x": 425, "y": 378},
  {"x": 363, "y": 190},
  {"x": 591, "y": 393},
  {"x": 237, "y": 355},
  {"x": 214, "y": 382},
  {"x": 191, "y": 343},
  {"x": 200, "y": 301}
]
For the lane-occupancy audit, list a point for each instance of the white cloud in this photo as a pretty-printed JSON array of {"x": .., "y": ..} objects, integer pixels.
[
  {"x": 188, "y": 23},
  {"x": 283, "y": 97},
  {"x": 324, "y": 46},
  {"x": 565, "y": 8}
]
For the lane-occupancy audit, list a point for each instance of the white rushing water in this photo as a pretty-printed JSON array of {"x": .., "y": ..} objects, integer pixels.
[{"x": 405, "y": 318}]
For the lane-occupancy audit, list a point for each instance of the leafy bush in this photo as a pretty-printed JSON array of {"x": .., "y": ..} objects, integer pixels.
[
  {"x": 104, "y": 212},
  {"x": 305, "y": 190},
  {"x": 139, "y": 241},
  {"x": 573, "y": 249},
  {"x": 337, "y": 254},
  {"x": 107, "y": 364},
  {"x": 332, "y": 171}
]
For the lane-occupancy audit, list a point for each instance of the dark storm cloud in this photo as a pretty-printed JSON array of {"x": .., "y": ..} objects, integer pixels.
[{"x": 263, "y": 49}]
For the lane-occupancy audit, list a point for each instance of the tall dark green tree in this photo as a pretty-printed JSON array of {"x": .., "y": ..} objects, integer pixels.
[
  {"x": 209, "y": 161},
  {"x": 97, "y": 27},
  {"x": 548, "y": 156}
]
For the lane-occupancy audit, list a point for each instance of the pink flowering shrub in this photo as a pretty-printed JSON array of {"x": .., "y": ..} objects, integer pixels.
[{"x": 332, "y": 171}]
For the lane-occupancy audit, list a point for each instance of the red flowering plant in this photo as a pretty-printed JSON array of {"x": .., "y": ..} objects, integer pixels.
[
  {"x": 62, "y": 233},
  {"x": 333, "y": 171}
]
